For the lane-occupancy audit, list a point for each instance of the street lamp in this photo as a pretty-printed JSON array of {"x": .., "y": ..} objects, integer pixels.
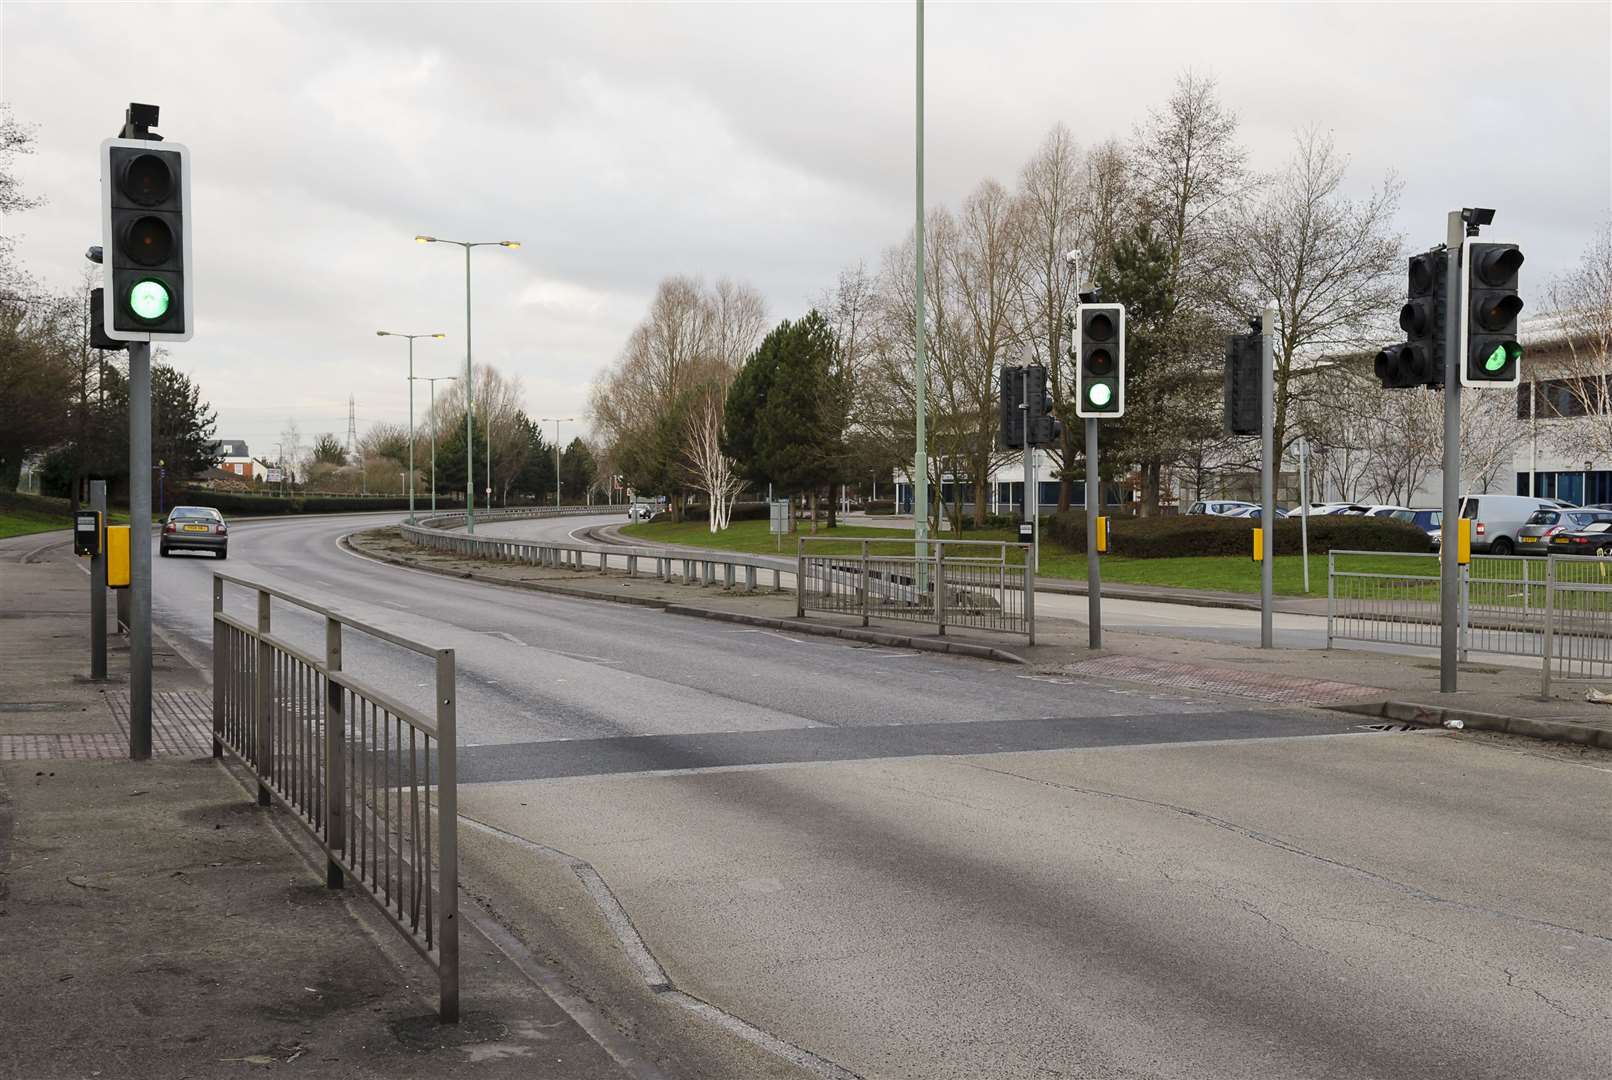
[
  {"x": 470, "y": 457},
  {"x": 558, "y": 420},
  {"x": 411, "y": 337},
  {"x": 433, "y": 380}
]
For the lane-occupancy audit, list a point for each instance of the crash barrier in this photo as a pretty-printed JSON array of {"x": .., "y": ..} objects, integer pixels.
[
  {"x": 373, "y": 779},
  {"x": 1578, "y": 621},
  {"x": 979, "y": 584},
  {"x": 691, "y": 567}
]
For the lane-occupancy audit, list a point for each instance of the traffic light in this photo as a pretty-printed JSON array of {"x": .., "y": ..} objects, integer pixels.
[
  {"x": 145, "y": 202},
  {"x": 1490, "y": 305},
  {"x": 1044, "y": 428},
  {"x": 1420, "y": 361},
  {"x": 1010, "y": 430},
  {"x": 1100, "y": 366},
  {"x": 1245, "y": 356}
]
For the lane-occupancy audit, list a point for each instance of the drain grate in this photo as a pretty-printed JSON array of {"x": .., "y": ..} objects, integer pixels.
[{"x": 1390, "y": 726}]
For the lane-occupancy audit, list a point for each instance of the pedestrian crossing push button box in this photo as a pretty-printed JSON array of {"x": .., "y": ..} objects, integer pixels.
[
  {"x": 117, "y": 557},
  {"x": 87, "y": 533}
]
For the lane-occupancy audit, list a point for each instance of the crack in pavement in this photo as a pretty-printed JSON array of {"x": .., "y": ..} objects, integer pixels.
[{"x": 1413, "y": 891}]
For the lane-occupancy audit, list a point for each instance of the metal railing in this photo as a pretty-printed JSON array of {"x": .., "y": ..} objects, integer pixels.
[
  {"x": 670, "y": 563},
  {"x": 1578, "y": 621},
  {"x": 356, "y": 766},
  {"x": 968, "y": 583},
  {"x": 1395, "y": 601}
]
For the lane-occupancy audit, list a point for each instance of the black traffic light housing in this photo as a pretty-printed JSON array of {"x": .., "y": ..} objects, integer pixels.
[
  {"x": 1420, "y": 360},
  {"x": 146, "y": 248},
  {"x": 1100, "y": 361},
  {"x": 1010, "y": 392},
  {"x": 1044, "y": 428},
  {"x": 1490, "y": 353},
  {"x": 1245, "y": 354}
]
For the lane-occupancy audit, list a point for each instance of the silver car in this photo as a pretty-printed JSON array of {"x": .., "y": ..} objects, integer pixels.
[
  {"x": 1534, "y": 537},
  {"x": 194, "y": 528}
]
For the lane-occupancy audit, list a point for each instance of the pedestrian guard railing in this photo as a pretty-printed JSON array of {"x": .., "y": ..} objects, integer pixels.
[
  {"x": 688, "y": 565},
  {"x": 978, "y": 584},
  {"x": 1578, "y": 621},
  {"x": 371, "y": 777},
  {"x": 1555, "y": 607}
]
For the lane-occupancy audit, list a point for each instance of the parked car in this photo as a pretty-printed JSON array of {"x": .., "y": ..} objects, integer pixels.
[
  {"x": 1383, "y": 511},
  {"x": 1337, "y": 508},
  {"x": 1496, "y": 519},
  {"x": 194, "y": 528},
  {"x": 1256, "y": 511},
  {"x": 1429, "y": 521},
  {"x": 1218, "y": 507},
  {"x": 1537, "y": 536},
  {"x": 1593, "y": 539}
]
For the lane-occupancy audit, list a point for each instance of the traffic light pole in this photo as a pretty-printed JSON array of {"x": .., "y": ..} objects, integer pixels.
[
  {"x": 1449, "y": 569},
  {"x": 140, "y": 550},
  {"x": 1094, "y": 572},
  {"x": 1267, "y": 514}
]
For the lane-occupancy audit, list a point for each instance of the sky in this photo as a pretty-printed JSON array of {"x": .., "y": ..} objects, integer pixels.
[{"x": 768, "y": 143}]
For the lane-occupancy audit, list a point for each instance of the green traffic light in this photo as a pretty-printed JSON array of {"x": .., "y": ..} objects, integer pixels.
[
  {"x": 1100, "y": 394},
  {"x": 1501, "y": 356},
  {"x": 149, "y": 299}
]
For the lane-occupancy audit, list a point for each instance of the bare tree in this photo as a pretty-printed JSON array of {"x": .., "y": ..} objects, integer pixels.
[
  {"x": 1330, "y": 264},
  {"x": 1581, "y": 302},
  {"x": 715, "y": 473}
]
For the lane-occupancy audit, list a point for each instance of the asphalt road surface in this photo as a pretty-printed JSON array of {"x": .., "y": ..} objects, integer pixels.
[{"x": 921, "y": 866}]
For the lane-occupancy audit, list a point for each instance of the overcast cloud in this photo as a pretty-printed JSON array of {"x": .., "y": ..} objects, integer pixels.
[{"x": 768, "y": 143}]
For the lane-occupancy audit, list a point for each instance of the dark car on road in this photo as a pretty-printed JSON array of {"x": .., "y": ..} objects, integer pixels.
[
  {"x": 194, "y": 528},
  {"x": 1593, "y": 539},
  {"x": 1538, "y": 535}
]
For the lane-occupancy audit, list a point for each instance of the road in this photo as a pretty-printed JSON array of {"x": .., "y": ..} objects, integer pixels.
[{"x": 921, "y": 866}]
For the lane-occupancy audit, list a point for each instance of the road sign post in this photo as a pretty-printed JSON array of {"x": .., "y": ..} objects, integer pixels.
[
  {"x": 140, "y": 550},
  {"x": 98, "y": 585},
  {"x": 1094, "y": 507}
]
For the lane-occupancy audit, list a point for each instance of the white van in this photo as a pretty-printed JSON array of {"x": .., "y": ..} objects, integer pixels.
[{"x": 1497, "y": 518}]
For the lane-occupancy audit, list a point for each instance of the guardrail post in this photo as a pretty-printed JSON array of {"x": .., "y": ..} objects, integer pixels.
[
  {"x": 1548, "y": 646},
  {"x": 1466, "y": 614},
  {"x": 865, "y": 583},
  {"x": 1332, "y": 596},
  {"x": 447, "y": 842},
  {"x": 750, "y": 577},
  {"x": 262, "y": 698},
  {"x": 1029, "y": 589},
  {"x": 335, "y": 747},
  {"x": 800, "y": 577},
  {"x": 940, "y": 587},
  {"x": 220, "y": 665},
  {"x": 632, "y": 566}
]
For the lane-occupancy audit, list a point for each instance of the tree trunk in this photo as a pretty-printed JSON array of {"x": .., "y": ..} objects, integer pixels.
[
  {"x": 979, "y": 501},
  {"x": 1150, "y": 488},
  {"x": 833, "y": 509},
  {"x": 814, "y": 511}
]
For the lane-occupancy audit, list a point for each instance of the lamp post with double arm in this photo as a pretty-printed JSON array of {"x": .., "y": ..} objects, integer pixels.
[
  {"x": 411, "y": 337},
  {"x": 470, "y": 440}
]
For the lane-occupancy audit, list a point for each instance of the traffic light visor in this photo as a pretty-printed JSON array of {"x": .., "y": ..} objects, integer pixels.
[
  {"x": 1100, "y": 394},
  {"x": 1413, "y": 319},
  {"x": 1100, "y": 327},
  {"x": 1100, "y": 362},
  {"x": 149, "y": 299},
  {"x": 1499, "y": 265},
  {"x": 1421, "y": 277},
  {"x": 1498, "y": 315}
]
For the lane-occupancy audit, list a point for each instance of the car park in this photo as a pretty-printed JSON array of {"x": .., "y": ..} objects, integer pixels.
[
  {"x": 1340, "y": 509},
  {"x": 194, "y": 528},
  {"x": 1255, "y": 512},
  {"x": 1218, "y": 508},
  {"x": 1497, "y": 519},
  {"x": 1429, "y": 520},
  {"x": 1382, "y": 511},
  {"x": 1538, "y": 535},
  {"x": 1593, "y": 539}
]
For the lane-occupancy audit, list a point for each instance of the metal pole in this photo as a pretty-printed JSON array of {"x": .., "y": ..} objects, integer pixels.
[
  {"x": 140, "y": 550},
  {"x": 411, "y": 429},
  {"x": 470, "y": 390},
  {"x": 920, "y": 457},
  {"x": 1267, "y": 406},
  {"x": 433, "y": 446},
  {"x": 1094, "y": 571},
  {"x": 1449, "y": 570},
  {"x": 556, "y": 464},
  {"x": 98, "y": 587},
  {"x": 1027, "y": 514},
  {"x": 1304, "y": 508}
]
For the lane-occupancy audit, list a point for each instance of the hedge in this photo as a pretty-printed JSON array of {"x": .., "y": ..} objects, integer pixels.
[
  {"x": 231, "y": 502},
  {"x": 1166, "y": 537},
  {"x": 879, "y": 506},
  {"x": 742, "y": 511}
]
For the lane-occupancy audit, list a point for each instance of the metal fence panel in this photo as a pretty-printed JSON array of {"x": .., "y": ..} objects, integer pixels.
[
  {"x": 373, "y": 779},
  {"x": 1578, "y": 627}
]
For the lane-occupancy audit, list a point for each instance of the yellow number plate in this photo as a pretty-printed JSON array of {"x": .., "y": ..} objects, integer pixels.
[{"x": 195, "y": 528}]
